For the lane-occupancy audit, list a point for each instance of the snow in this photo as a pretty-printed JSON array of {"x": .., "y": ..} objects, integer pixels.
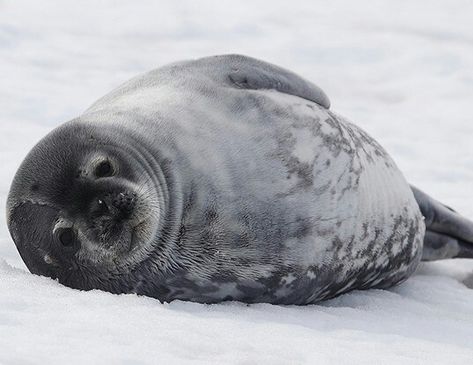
[{"x": 402, "y": 70}]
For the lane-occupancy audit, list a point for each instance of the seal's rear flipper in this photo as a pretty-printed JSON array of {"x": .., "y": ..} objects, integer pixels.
[
  {"x": 448, "y": 234},
  {"x": 438, "y": 246}
]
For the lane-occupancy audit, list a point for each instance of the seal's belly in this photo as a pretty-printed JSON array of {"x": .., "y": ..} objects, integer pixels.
[{"x": 316, "y": 209}]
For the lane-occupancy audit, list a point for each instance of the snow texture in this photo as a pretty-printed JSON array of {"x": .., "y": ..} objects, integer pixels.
[{"x": 402, "y": 70}]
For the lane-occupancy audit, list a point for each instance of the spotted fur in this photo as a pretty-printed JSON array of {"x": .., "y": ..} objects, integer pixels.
[{"x": 265, "y": 195}]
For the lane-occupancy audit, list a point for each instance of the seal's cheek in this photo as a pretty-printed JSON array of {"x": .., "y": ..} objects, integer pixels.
[{"x": 31, "y": 228}]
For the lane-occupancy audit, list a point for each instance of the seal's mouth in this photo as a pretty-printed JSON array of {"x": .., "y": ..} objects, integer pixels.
[{"x": 115, "y": 224}]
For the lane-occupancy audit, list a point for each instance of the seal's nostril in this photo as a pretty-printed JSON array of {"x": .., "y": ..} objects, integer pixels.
[
  {"x": 66, "y": 236},
  {"x": 125, "y": 202}
]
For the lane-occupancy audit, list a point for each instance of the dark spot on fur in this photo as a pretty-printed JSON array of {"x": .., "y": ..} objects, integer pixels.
[
  {"x": 304, "y": 228},
  {"x": 211, "y": 215}
]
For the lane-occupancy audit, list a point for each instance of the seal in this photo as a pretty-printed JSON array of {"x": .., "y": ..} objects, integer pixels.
[{"x": 222, "y": 178}]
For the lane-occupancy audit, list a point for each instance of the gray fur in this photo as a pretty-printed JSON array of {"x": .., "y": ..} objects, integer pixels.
[
  {"x": 448, "y": 234},
  {"x": 248, "y": 188}
]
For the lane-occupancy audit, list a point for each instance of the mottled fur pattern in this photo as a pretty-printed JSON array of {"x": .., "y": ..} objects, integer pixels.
[{"x": 257, "y": 191}]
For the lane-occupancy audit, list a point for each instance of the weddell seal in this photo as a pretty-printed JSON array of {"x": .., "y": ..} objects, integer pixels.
[{"x": 222, "y": 178}]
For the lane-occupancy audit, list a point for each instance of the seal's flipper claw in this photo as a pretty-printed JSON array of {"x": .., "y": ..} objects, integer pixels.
[{"x": 448, "y": 234}]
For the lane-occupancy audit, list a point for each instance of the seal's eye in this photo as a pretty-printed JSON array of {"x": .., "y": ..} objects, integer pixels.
[
  {"x": 66, "y": 236},
  {"x": 104, "y": 169}
]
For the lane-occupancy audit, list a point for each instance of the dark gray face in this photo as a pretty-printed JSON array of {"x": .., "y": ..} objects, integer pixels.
[{"x": 80, "y": 208}]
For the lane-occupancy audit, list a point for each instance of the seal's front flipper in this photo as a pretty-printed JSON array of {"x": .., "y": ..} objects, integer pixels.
[
  {"x": 448, "y": 234},
  {"x": 249, "y": 73}
]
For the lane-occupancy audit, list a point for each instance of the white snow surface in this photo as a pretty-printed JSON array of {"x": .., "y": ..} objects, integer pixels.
[{"x": 402, "y": 70}]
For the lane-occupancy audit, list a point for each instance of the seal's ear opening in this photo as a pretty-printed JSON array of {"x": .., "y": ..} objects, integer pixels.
[{"x": 29, "y": 226}]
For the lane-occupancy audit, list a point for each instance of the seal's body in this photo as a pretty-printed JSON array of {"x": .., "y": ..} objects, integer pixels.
[{"x": 224, "y": 178}]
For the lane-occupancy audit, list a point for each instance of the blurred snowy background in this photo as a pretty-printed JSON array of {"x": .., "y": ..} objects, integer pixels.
[{"x": 402, "y": 70}]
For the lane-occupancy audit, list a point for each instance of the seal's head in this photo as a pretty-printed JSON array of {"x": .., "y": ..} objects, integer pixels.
[{"x": 84, "y": 207}]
